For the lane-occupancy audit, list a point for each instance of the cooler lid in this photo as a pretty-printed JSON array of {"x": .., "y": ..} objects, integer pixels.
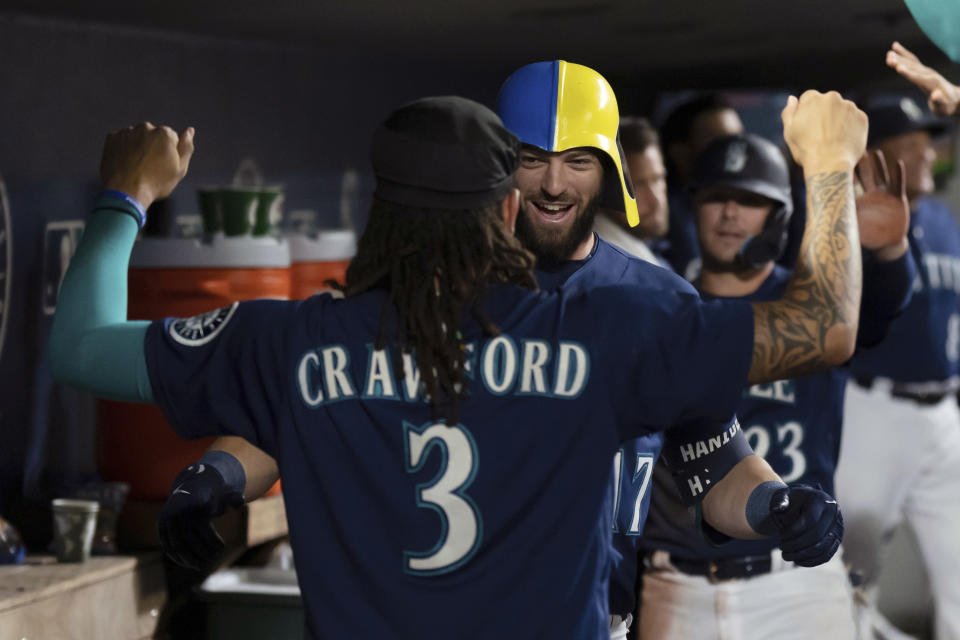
[{"x": 325, "y": 245}]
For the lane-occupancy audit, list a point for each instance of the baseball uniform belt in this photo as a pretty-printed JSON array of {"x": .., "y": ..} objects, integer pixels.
[
  {"x": 721, "y": 569},
  {"x": 900, "y": 391}
]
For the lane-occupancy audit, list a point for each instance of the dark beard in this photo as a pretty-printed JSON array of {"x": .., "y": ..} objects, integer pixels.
[{"x": 556, "y": 247}]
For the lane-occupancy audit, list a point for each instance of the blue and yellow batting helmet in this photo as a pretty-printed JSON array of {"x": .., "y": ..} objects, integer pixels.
[{"x": 560, "y": 105}]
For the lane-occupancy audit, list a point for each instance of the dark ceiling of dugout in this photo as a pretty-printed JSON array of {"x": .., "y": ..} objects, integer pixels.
[{"x": 665, "y": 44}]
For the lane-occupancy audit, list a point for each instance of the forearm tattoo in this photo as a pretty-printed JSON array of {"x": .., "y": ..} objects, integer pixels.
[{"x": 790, "y": 335}]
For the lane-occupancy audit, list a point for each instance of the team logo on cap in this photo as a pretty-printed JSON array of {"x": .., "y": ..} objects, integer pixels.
[
  {"x": 910, "y": 108},
  {"x": 201, "y": 329},
  {"x": 736, "y": 158}
]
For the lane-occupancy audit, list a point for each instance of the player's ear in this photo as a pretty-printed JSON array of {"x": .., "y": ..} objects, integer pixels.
[{"x": 508, "y": 209}]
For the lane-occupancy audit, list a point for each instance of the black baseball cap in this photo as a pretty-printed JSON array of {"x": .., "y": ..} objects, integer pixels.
[
  {"x": 898, "y": 115},
  {"x": 443, "y": 152}
]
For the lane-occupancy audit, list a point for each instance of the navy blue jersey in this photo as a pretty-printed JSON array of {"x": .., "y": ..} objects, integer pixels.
[
  {"x": 795, "y": 425},
  {"x": 923, "y": 344},
  {"x": 634, "y": 462},
  {"x": 406, "y": 528},
  {"x": 633, "y": 468}
]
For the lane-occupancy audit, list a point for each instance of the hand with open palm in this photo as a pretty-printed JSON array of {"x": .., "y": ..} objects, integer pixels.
[{"x": 883, "y": 213}]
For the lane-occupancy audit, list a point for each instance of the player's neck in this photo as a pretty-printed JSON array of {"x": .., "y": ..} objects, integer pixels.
[
  {"x": 586, "y": 247},
  {"x": 734, "y": 284}
]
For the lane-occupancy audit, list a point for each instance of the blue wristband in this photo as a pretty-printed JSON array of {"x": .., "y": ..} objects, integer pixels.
[
  {"x": 139, "y": 213},
  {"x": 227, "y": 466},
  {"x": 758, "y": 507}
]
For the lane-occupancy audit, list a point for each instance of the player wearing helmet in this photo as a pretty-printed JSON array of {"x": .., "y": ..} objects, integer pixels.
[
  {"x": 685, "y": 133},
  {"x": 694, "y": 586},
  {"x": 571, "y": 168}
]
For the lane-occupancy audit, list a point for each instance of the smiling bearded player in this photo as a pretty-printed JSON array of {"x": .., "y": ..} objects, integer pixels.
[{"x": 571, "y": 165}]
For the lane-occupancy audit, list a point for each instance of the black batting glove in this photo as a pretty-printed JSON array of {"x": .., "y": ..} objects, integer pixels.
[
  {"x": 198, "y": 495},
  {"x": 809, "y": 524}
]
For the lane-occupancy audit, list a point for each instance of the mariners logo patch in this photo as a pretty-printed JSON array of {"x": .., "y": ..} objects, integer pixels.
[
  {"x": 736, "y": 158},
  {"x": 201, "y": 329}
]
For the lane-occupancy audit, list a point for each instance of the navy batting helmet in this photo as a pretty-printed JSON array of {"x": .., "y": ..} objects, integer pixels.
[{"x": 753, "y": 164}]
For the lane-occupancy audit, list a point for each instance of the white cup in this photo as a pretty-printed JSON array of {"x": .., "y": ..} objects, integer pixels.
[{"x": 74, "y": 522}]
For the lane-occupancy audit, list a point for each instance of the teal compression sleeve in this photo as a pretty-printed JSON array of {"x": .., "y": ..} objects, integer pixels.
[{"x": 92, "y": 346}]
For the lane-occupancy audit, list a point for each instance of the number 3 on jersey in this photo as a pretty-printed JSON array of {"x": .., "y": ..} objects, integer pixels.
[{"x": 461, "y": 524}]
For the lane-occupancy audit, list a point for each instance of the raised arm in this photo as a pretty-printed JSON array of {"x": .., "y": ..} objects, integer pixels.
[
  {"x": 92, "y": 345},
  {"x": 943, "y": 96},
  {"x": 888, "y": 267},
  {"x": 814, "y": 325}
]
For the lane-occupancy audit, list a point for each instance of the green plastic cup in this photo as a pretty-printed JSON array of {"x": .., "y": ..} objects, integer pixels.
[
  {"x": 210, "y": 209},
  {"x": 269, "y": 210},
  {"x": 239, "y": 207}
]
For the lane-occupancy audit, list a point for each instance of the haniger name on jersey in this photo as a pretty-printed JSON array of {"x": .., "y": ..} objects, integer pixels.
[
  {"x": 504, "y": 365},
  {"x": 691, "y": 451}
]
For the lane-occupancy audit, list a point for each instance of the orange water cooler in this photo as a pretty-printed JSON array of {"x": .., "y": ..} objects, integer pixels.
[
  {"x": 181, "y": 277},
  {"x": 318, "y": 257}
]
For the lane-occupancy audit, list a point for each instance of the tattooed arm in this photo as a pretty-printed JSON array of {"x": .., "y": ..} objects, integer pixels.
[{"x": 814, "y": 325}]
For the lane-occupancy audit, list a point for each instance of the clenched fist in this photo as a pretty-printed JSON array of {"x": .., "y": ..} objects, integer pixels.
[
  {"x": 809, "y": 524},
  {"x": 824, "y": 131},
  {"x": 198, "y": 495},
  {"x": 145, "y": 161}
]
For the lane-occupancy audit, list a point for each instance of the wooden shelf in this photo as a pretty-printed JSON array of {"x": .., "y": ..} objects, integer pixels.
[{"x": 116, "y": 597}]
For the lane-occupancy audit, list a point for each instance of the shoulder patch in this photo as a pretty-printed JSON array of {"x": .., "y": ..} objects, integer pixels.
[{"x": 201, "y": 329}]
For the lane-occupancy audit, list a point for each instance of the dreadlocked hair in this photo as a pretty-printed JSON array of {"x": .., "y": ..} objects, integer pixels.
[{"x": 436, "y": 263}]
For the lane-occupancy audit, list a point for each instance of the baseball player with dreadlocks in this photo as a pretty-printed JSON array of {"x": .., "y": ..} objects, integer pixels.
[
  {"x": 693, "y": 586},
  {"x": 575, "y": 171},
  {"x": 444, "y": 433}
]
